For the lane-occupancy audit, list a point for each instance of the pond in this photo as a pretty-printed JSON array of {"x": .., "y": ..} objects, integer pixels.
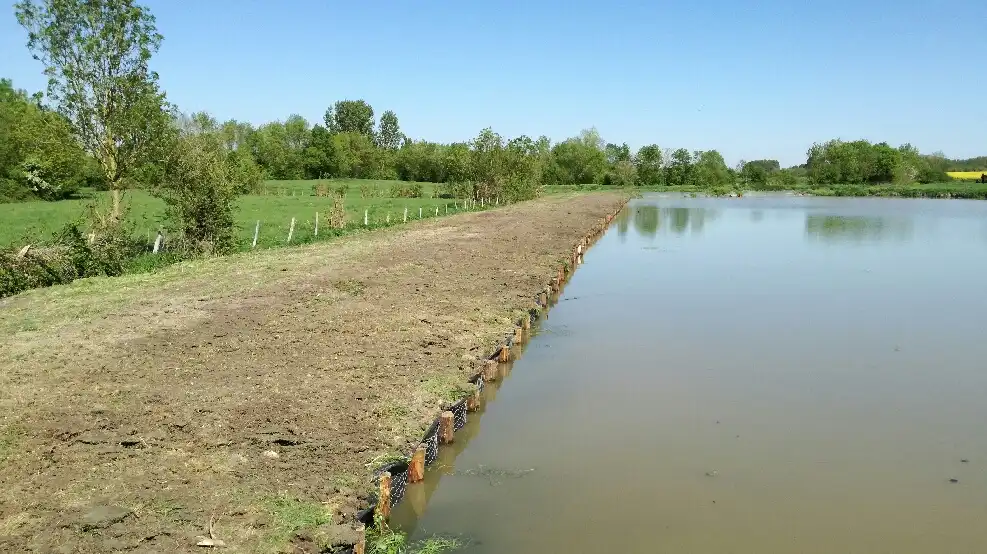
[{"x": 762, "y": 374}]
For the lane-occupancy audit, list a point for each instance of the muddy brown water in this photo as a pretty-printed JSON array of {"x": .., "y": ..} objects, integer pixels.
[{"x": 767, "y": 374}]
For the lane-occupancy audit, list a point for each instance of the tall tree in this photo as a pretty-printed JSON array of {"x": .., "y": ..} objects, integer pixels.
[
  {"x": 389, "y": 135},
  {"x": 649, "y": 166},
  {"x": 679, "y": 170},
  {"x": 96, "y": 55},
  {"x": 39, "y": 157},
  {"x": 350, "y": 116},
  {"x": 617, "y": 153}
]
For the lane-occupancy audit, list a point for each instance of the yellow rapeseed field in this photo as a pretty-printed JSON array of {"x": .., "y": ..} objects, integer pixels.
[{"x": 965, "y": 174}]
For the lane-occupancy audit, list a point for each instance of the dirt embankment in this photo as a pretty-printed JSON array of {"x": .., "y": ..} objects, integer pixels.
[{"x": 249, "y": 393}]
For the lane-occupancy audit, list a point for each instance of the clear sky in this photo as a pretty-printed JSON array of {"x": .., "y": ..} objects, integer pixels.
[{"x": 753, "y": 79}]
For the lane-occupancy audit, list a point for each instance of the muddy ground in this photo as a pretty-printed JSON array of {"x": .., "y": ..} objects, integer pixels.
[{"x": 253, "y": 393}]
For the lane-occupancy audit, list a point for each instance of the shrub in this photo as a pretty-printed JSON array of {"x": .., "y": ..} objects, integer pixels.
[
  {"x": 196, "y": 184},
  {"x": 71, "y": 256},
  {"x": 407, "y": 190}
]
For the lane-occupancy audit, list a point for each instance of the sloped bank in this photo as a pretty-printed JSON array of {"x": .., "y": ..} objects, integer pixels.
[
  {"x": 247, "y": 399},
  {"x": 393, "y": 479}
]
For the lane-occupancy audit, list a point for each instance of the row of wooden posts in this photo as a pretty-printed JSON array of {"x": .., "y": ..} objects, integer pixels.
[
  {"x": 488, "y": 372},
  {"x": 467, "y": 205}
]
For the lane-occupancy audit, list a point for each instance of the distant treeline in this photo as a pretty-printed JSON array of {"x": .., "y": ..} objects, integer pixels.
[
  {"x": 41, "y": 159},
  {"x": 970, "y": 164}
]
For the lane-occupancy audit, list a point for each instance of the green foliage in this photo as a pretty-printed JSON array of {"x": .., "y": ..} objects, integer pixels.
[
  {"x": 351, "y": 116},
  {"x": 407, "y": 190},
  {"x": 381, "y": 539},
  {"x": 577, "y": 160},
  {"x": 623, "y": 174},
  {"x": 710, "y": 170},
  {"x": 860, "y": 162},
  {"x": 69, "y": 257},
  {"x": 39, "y": 157},
  {"x": 197, "y": 184},
  {"x": 679, "y": 169},
  {"x": 649, "y": 166},
  {"x": 96, "y": 55},
  {"x": 279, "y": 148},
  {"x": 389, "y": 136},
  {"x": 978, "y": 163}
]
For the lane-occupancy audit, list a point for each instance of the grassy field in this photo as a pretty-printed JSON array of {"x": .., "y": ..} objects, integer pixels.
[{"x": 24, "y": 223}]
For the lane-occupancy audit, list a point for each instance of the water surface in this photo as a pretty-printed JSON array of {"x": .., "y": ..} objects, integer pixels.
[{"x": 771, "y": 375}]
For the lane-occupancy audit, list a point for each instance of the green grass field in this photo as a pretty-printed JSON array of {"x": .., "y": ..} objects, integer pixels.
[{"x": 31, "y": 222}]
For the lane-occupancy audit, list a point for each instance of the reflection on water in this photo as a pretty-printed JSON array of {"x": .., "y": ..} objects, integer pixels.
[
  {"x": 648, "y": 220},
  {"x": 857, "y": 228},
  {"x": 769, "y": 375}
]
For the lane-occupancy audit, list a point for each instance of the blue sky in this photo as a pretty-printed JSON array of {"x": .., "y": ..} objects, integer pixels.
[{"x": 751, "y": 79}]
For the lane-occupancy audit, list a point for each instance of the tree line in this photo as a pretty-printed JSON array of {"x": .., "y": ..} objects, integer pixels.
[{"x": 105, "y": 123}]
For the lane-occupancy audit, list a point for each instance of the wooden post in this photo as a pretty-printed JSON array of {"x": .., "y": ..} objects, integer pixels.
[
  {"x": 384, "y": 499},
  {"x": 406, "y": 214},
  {"x": 361, "y": 543},
  {"x": 473, "y": 400},
  {"x": 366, "y": 218},
  {"x": 416, "y": 471},
  {"x": 316, "y": 224},
  {"x": 291, "y": 230},
  {"x": 256, "y": 232},
  {"x": 447, "y": 427},
  {"x": 490, "y": 371},
  {"x": 517, "y": 336},
  {"x": 419, "y": 212},
  {"x": 505, "y": 354},
  {"x": 526, "y": 322}
]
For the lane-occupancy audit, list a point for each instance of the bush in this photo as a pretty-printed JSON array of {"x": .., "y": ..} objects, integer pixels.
[
  {"x": 71, "y": 256},
  {"x": 196, "y": 184},
  {"x": 407, "y": 190}
]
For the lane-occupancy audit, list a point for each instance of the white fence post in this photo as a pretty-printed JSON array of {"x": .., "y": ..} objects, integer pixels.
[
  {"x": 291, "y": 230},
  {"x": 256, "y": 232}
]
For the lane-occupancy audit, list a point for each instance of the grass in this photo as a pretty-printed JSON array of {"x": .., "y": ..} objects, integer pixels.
[
  {"x": 279, "y": 201},
  {"x": 289, "y": 515},
  {"x": 381, "y": 539}
]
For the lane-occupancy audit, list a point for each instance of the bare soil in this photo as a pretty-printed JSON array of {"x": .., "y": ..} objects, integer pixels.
[{"x": 252, "y": 394}]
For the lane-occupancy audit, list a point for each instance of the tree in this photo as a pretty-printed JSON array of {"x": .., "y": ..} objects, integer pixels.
[
  {"x": 96, "y": 55},
  {"x": 196, "y": 183},
  {"x": 39, "y": 156},
  {"x": 679, "y": 171},
  {"x": 389, "y": 136},
  {"x": 754, "y": 174},
  {"x": 648, "y": 166},
  {"x": 623, "y": 174},
  {"x": 616, "y": 153},
  {"x": 351, "y": 116},
  {"x": 710, "y": 170},
  {"x": 578, "y": 160},
  {"x": 280, "y": 148}
]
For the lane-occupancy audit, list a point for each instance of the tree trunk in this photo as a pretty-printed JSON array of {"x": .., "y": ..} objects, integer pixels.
[{"x": 115, "y": 214}]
